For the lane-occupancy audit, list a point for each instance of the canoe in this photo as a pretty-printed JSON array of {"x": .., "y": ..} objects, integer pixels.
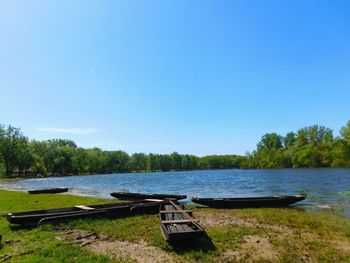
[
  {"x": 177, "y": 223},
  {"x": 140, "y": 196},
  {"x": 106, "y": 210},
  {"x": 249, "y": 202},
  {"x": 78, "y": 215},
  {"x": 49, "y": 190}
]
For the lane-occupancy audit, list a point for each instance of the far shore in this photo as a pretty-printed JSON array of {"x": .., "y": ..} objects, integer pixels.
[{"x": 3, "y": 178}]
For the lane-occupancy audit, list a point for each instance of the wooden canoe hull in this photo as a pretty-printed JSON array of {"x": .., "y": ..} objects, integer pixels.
[
  {"x": 140, "y": 196},
  {"x": 106, "y": 210},
  {"x": 175, "y": 227},
  {"x": 80, "y": 215},
  {"x": 249, "y": 202},
  {"x": 49, "y": 191},
  {"x": 176, "y": 237}
]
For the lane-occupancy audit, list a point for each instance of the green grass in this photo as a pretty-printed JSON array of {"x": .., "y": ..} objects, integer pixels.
[
  {"x": 57, "y": 252},
  {"x": 309, "y": 235}
]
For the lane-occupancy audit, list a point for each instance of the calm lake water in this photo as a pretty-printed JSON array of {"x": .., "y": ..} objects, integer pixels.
[{"x": 326, "y": 188}]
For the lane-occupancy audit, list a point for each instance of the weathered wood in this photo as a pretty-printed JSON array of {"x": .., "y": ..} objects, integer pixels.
[
  {"x": 49, "y": 190},
  {"x": 246, "y": 202},
  {"x": 141, "y": 196},
  {"x": 177, "y": 224},
  {"x": 186, "y": 215},
  {"x": 113, "y": 210},
  {"x": 85, "y": 207},
  {"x": 175, "y": 212},
  {"x": 179, "y": 221}
]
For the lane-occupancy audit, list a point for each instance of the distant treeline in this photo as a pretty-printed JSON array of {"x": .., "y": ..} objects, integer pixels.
[
  {"x": 313, "y": 146},
  {"x": 22, "y": 157}
]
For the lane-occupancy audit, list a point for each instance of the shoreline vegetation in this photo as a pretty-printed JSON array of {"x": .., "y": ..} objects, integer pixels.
[
  {"x": 310, "y": 147},
  {"x": 236, "y": 235}
]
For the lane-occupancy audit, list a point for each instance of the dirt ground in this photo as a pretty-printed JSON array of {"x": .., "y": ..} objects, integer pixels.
[
  {"x": 137, "y": 251},
  {"x": 254, "y": 248}
]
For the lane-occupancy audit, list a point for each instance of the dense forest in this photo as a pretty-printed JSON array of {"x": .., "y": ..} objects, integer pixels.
[
  {"x": 313, "y": 146},
  {"x": 21, "y": 157}
]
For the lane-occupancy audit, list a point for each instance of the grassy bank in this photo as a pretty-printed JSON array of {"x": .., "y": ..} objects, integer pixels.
[{"x": 246, "y": 235}]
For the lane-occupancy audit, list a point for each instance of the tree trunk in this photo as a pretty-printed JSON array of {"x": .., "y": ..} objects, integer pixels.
[{"x": 8, "y": 170}]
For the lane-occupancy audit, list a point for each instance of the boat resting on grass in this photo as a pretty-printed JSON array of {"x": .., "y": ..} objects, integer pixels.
[
  {"x": 249, "y": 202},
  {"x": 38, "y": 217},
  {"x": 140, "y": 196},
  {"x": 177, "y": 223},
  {"x": 49, "y": 190}
]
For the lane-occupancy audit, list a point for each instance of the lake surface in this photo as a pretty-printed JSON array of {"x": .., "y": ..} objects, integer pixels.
[{"x": 327, "y": 188}]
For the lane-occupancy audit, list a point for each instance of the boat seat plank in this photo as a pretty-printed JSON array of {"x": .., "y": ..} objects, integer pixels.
[
  {"x": 179, "y": 216},
  {"x": 175, "y": 212},
  {"x": 172, "y": 228},
  {"x": 179, "y": 221}
]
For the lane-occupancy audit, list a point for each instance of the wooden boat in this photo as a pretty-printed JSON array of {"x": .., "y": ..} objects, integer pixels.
[
  {"x": 106, "y": 210},
  {"x": 246, "y": 202},
  {"x": 177, "y": 223},
  {"x": 49, "y": 190},
  {"x": 139, "y": 196}
]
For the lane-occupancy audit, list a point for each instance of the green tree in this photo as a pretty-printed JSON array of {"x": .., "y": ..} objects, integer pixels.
[
  {"x": 289, "y": 140},
  {"x": 117, "y": 161},
  {"x": 270, "y": 141},
  {"x": 341, "y": 148},
  {"x": 25, "y": 160},
  {"x": 96, "y": 160},
  {"x": 345, "y": 132},
  {"x": 80, "y": 161},
  {"x": 12, "y": 144},
  {"x": 313, "y": 147},
  {"x": 153, "y": 162},
  {"x": 138, "y": 162},
  {"x": 165, "y": 162},
  {"x": 176, "y": 160},
  {"x": 270, "y": 152}
]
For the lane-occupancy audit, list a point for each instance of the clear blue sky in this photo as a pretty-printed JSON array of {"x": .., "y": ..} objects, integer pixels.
[{"x": 201, "y": 77}]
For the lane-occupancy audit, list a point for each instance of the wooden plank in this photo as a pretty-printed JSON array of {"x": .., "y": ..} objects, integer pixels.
[
  {"x": 84, "y": 207},
  {"x": 171, "y": 228},
  {"x": 186, "y": 215},
  {"x": 175, "y": 212},
  {"x": 177, "y": 216},
  {"x": 179, "y": 221},
  {"x": 154, "y": 200}
]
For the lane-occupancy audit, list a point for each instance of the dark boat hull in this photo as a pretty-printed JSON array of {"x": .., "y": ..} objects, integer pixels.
[
  {"x": 80, "y": 215},
  {"x": 174, "y": 226},
  {"x": 249, "y": 202},
  {"x": 106, "y": 210},
  {"x": 140, "y": 196},
  {"x": 49, "y": 191}
]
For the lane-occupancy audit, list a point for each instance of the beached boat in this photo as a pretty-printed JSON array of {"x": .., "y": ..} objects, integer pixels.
[
  {"x": 140, "y": 196},
  {"x": 38, "y": 217},
  {"x": 177, "y": 223},
  {"x": 49, "y": 190},
  {"x": 246, "y": 202}
]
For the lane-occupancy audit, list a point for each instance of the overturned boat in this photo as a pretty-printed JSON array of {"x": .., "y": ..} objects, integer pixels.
[
  {"x": 249, "y": 202},
  {"x": 140, "y": 196}
]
